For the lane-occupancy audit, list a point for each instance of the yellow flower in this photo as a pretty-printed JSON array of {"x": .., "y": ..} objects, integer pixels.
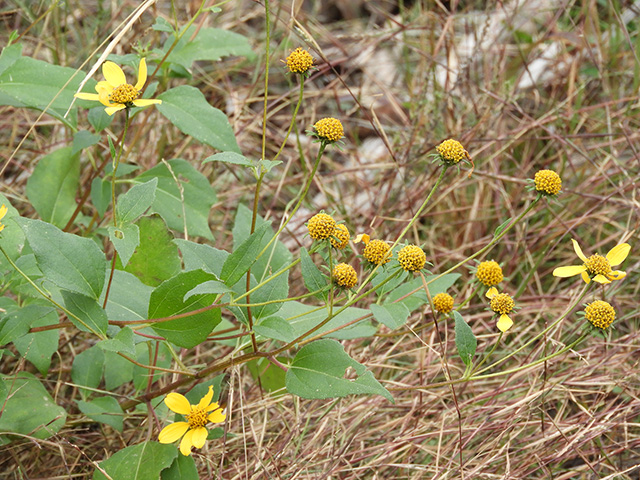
[
  {"x": 3, "y": 212},
  {"x": 299, "y": 61},
  {"x": 443, "y": 303},
  {"x": 452, "y": 151},
  {"x": 194, "y": 431},
  {"x": 329, "y": 129},
  {"x": 547, "y": 182},
  {"x": 489, "y": 273},
  {"x": 503, "y": 304},
  {"x": 340, "y": 237},
  {"x": 412, "y": 258},
  {"x": 321, "y": 226},
  {"x": 377, "y": 252},
  {"x": 596, "y": 267},
  {"x": 600, "y": 314},
  {"x": 345, "y": 275},
  {"x": 115, "y": 93}
]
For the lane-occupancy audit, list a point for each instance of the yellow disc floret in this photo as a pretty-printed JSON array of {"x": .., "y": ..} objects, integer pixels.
[
  {"x": 443, "y": 302},
  {"x": 299, "y": 61},
  {"x": 344, "y": 275},
  {"x": 329, "y": 129},
  {"x": 321, "y": 226},
  {"x": 412, "y": 258},
  {"x": 600, "y": 314},
  {"x": 598, "y": 265},
  {"x": 124, "y": 94},
  {"x": 502, "y": 303},
  {"x": 340, "y": 237},
  {"x": 489, "y": 273},
  {"x": 548, "y": 182},
  {"x": 377, "y": 252},
  {"x": 452, "y": 151}
]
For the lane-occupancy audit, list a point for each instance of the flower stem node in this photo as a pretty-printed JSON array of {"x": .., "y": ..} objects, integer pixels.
[
  {"x": 340, "y": 237},
  {"x": 547, "y": 182},
  {"x": 377, "y": 252},
  {"x": 299, "y": 61},
  {"x": 443, "y": 303},
  {"x": 193, "y": 431},
  {"x": 596, "y": 267},
  {"x": 503, "y": 305},
  {"x": 344, "y": 275},
  {"x": 489, "y": 273},
  {"x": 321, "y": 226},
  {"x": 328, "y": 130},
  {"x": 600, "y": 314},
  {"x": 412, "y": 258}
]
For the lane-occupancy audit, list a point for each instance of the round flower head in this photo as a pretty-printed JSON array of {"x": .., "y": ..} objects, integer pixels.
[
  {"x": 115, "y": 93},
  {"x": 377, "y": 252},
  {"x": 321, "y": 226},
  {"x": 452, "y": 151},
  {"x": 299, "y": 61},
  {"x": 502, "y": 304},
  {"x": 443, "y": 303},
  {"x": 600, "y": 314},
  {"x": 489, "y": 273},
  {"x": 328, "y": 130},
  {"x": 548, "y": 182},
  {"x": 596, "y": 267},
  {"x": 3, "y": 212},
  {"x": 194, "y": 431},
  {"x": 344, "y": 275},
  {"x": 340, "y": 237},
  {"x": 412, "y": 258}
]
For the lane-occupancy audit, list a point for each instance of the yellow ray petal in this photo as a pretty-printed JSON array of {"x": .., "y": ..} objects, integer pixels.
[
  {"x": 199, "y": 436},
  {"x": 504, "y": 323},
  {"x": 3, "y": 211},
  {"x": 186, "y": 443},
  {"x": 569, "y": 271},
  {"x": 217, "y": 417},
  {"x": 206, "y": 400},
  {"x": 492, "y": 292},
  {"x": 578, "y": 250},
  {"x": 104, "y": 86},
  {"x": 615, "y": 275},
  {"x": 113, "y": 74},
  {"x": 618, "y": 254},
  {"x": 88, "y": 96},
  {"x": 111, "y": 110},
  {"x": 144, "y": 102},
  {"x": 601, "y": 279},
  {"x": 178, "y": 403},
  {"x": 585, "y": 277},
  {"x": 1, "y": 227},
  {"x": 363, "y": 237},
  {"x": 211, "y": 407},
  {"x": 173, "y": 432},
  {"x": 142, "y": 74}
]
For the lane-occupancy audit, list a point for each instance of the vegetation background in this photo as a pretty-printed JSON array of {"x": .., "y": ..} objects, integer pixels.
[{"x": 524, "y": 85}]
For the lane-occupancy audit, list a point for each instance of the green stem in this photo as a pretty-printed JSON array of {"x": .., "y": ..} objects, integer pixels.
[
  {"x": 116, "y": 163},
  {"x": 293, "y": 119}
]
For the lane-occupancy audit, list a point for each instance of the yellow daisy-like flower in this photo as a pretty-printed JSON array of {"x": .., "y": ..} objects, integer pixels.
[
  {"x": 321, "y": 226},
  {"x": 340, "y": 237},
  {"x": 452, "y": 151},
  {"x": 412, "y": 258},
  {"x": 489, "y": 273},
  {"x": 299, "y": 61},
  {"x": 547, "y": 182},
  {"x": 502, "y": 304},
  {"x": 600, "y": 314},
  {"x": 3, "y": 212},
  {"x": 443, "y": 303},
  {"x": 344, "y": 275},
  {"x": 194, "y": 431},
  {"x": 596, "y": 267},
  {"x": 115, "y": 93},
  {"x": 377, "y": 252},
  {"x": 329, "y": 129}
]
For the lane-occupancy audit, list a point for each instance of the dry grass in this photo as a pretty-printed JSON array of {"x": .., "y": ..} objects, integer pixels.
[{"x": 401, "y": 80}]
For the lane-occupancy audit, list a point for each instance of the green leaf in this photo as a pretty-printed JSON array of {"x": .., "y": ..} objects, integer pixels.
[
  {"x": 15, "y": 324},
  {"x": 87, "y": 310},
  {"x": 272, "y": 377},
  {"x": 144, "y": 461},
  {"x": 136, "y": 201},
  {"x": 70, "y": 262},
  {"x": 197, "y": 256},
  {"x": 12, "y": 237},
  {"x": 87, "y": 369},
  {"x": 52, "y": 186},
  {"x": 121, "y": 342},
  {"x": 128, "y": 297},
  {"x": 162, "y": 25},
  {"x": 269, "y": 294},
  {"x": 276, "y": 328},
  {"x": 501, "y": 227},
  {"x": 83, "y": 139},
  {"x": 99, "y": 119},
  {"x": 156, "y": 258},
  {"x": 267, "y": 165},
  {"x": 168, "y": 299},
  {"x": 187, "y": 108},
  {"x": 209, "y": 44},
  {"x": 318, "y": 370},
  {"x": 393, "y": 315},
  {"x": 125, "y": 239},
  {"x": 117, "y": 370},
  {"x": 182, "y": 468},
  {"x": 314, "y": 280},
  {"x": 243, "y": 257},
  {"x": 465, "y": 339},
  {"x": 39, "y": 347},
  {"x": 100, "y": 194},
  {"x": 198, "y": 194},
  {"x": 229, "y": 157},
  {"x": 24, "y": 415},
  {"x": 210, "y": 286},
  {"x": 103, "y": 410}
]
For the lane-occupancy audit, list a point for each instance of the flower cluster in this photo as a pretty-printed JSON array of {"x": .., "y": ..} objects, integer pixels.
[
  {"x": 443, "y": 303},
  {"x": 377, "y": 252},
  {"x": 547, "y": 182},
  {"x": 321, "y": 226},
  {"x": 451, "y": 152},
  {"x": 299, "y": 61},
  {"x": 489, "y": 273},
  {"x": 344, "y": 275},
  {"x": 412, "y": 258},
  {"x": 328, "y": 130},
  {"x": 503, "y": 305},
  {"x": 596, "y": 267},
  {"x": 600, "y": 314},
  {"x": 340, "y": 237}
]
